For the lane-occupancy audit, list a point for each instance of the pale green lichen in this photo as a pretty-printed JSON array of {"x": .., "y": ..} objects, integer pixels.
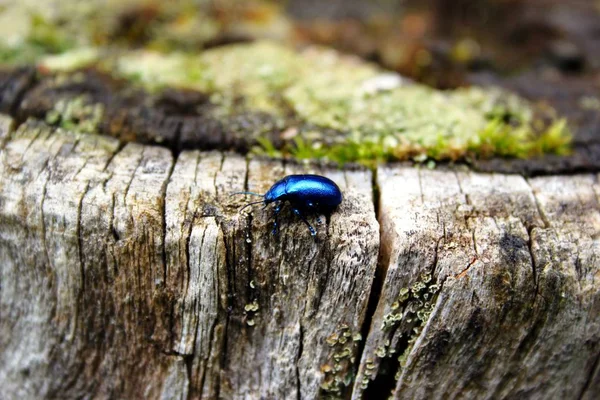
[
  {"x": 251, "y": 312},
  {"x": 71, "y": 60},
  {"x": 251, "y": 306},
  {"x": 407, "y": 315},
  {"x": 30, "y": 29},
  {"x": 187, "y": 28},
  {"x": 589, "y": 103},
  {"x": 155, "y": 71},
  {"x": 327, "y": 92},
  {"x": 26, "y": 36},
  {"x": 412, "y": 303},
  {"x": 338, "y": 372}
]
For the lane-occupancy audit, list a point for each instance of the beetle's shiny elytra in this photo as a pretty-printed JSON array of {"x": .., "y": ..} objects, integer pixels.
[{"x": 305, "y": 193}]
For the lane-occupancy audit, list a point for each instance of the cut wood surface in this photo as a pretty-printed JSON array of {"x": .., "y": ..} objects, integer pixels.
[
  {"x": 127, "y": 272},
  {"x": 491, "y": 287}
]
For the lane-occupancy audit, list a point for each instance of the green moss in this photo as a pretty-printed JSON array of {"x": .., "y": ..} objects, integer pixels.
[
  {"x": 266, "y": 147},
  {"x": 555, "y": 139},
  {"x": 77, "y": 114}
]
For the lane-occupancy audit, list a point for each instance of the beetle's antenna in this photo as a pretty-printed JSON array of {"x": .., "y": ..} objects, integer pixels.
[
  {"x": 249, "y": 204},
  {"x": 252, "y": 193}
]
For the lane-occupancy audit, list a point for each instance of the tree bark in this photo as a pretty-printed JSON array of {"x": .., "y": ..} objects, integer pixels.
[{"x": 126, "y": 271}]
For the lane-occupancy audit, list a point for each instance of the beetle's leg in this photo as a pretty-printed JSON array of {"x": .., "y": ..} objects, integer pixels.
[
  {"x": 310, "y": 228},
  {"x": 276, "y": 223},
  {"x": 312, "y": 207}
]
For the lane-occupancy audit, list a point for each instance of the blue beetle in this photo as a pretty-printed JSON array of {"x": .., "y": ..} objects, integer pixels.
[{"x": 305, "y": 193}]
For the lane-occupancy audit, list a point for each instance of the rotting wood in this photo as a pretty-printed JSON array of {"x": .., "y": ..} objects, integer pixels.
[
  {"x": 14, "y": 83},
  {"x": 177, "y": 118},
  {"x": 490, "y": 287},
  {"x": 127, "y": 273}
]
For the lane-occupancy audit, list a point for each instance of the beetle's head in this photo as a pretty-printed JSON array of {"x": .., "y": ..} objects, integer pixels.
[
  {"x": 270, "y": 197},
  {"x": 277, "y": 192}
]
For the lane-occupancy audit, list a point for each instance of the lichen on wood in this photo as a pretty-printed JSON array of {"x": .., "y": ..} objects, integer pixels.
[{"x": 350, "y": 110}]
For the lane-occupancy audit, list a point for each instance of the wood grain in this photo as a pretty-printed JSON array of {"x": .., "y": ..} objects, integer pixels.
[
  {"x": 490, "y": 287},
  {"x": 128, "y": 273}
]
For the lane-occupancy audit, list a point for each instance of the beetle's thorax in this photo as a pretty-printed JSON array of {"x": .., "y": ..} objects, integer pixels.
[{"x": 277, "y": 192}]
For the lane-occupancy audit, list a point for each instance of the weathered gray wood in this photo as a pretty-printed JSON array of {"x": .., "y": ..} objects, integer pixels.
[
  {"x": 126, "y": 273},
  {"x": 253, "y": 316},
  {"x": 196, "y": 267},
  {"x": 490, "y": 288},
  {"x": 81, "y": 231},
  {"x": 311, "y": 297},
  {"x": 6, "y": 125}
]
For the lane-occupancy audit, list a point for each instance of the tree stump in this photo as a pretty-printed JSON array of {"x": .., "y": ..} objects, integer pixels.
[{"x": 128, "y": 272}]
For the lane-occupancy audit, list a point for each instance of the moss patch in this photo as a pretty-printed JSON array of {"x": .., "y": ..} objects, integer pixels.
[
  {"x": 345, "y": 110},
  {"x": 77, "y": 114}
]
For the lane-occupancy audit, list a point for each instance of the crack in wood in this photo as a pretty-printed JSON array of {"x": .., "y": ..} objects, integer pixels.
[
  {"x": 594, "y": 372},
  {"x": 163, "y": 192},
  {"x": 297, "y": 362},
  {"x": 539, "y": 208},
  {"x": 80, "y": 242}
]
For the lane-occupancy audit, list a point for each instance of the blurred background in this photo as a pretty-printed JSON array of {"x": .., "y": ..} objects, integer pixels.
[
  {"x": 444, "y": 43},
  {"x": 448, "y": 43},
  {"x": 545, "y": 50}
]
